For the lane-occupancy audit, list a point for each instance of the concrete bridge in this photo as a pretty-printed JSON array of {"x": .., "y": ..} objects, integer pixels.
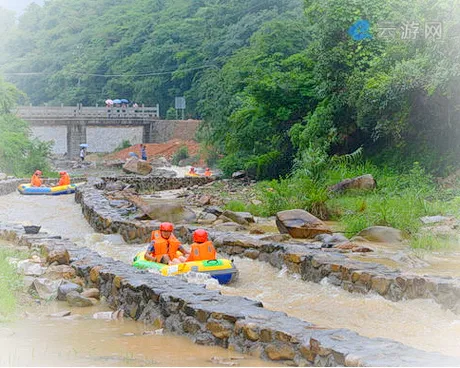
[{"x": 102, "y": 128}]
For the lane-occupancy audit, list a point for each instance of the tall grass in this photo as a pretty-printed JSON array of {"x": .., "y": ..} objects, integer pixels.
[
  {"x": 399, "y": 200},
  {"x": 10, "y": 284}
]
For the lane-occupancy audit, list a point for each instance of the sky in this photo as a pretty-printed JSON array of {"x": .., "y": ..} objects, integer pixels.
[{"x": 18, "y": 5}]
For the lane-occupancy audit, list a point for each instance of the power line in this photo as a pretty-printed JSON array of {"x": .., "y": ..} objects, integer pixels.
[{"x": 80, "y": 74}]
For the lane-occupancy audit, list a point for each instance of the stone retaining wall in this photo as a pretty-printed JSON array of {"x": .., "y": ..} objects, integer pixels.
[
  {"x": 142, "y": 184},
  {"x": 209, "y": 318},
  {"x": 308, "y": 260},
  {"x": 9, "y": 186}
]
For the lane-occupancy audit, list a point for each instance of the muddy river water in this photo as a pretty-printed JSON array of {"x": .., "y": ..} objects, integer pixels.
[{"x": 421, "y": 324}]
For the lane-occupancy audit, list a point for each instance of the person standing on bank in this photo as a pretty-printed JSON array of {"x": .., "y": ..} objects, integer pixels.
[
  {"x": 82, "y": 153},
  {"x": 144, "y": 152}
]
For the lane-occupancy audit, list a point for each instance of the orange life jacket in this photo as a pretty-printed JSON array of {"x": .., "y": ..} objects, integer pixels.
[
  {"x": 64, "y": 180},
  {"x": 35, "y": 181},
  {"x": 202, "y": 252},
  {"x": 207, "y": 173},
  {"x": 164, "y": 246}
]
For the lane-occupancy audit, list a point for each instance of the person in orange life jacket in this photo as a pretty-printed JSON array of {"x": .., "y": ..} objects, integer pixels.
[
  {"x": 201, "y": 248},
  {"x": 65, "y": 178},
  {"x": 207, "y": 172},
  {"x": 36, "y": 180},
  {"x": 164, "y": 246}
]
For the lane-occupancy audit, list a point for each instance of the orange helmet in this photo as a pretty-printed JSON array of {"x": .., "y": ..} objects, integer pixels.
[
  {"x": 166, "y": 226},
  {"x": 38, "y": 172},
  {"x": 62, "y": 172},
  {"x": 207, "y": 169},
  {"x": 200, "y": 236}
]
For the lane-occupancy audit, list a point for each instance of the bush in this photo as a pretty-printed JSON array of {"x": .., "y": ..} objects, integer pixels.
[
  {"x": 10, "y": 283},
  {"x": 236, "y": 206},
  {"x": 171, "y": 114},
  {"x": 180, "y": 154},
  {"x": 125, "y": 144}
]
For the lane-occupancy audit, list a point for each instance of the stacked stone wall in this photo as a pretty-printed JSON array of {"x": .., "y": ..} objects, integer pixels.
[
  {"x": 9, "y": 186},
  {"x": 209, "y": 318},
  {"x": 310, "y": 261}
]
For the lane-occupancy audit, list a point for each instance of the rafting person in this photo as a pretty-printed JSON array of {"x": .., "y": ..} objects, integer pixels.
[
  {"x": 192, "y": 171},
  {"x": 64, "y": 179},
  {"x": 164, "y": 246},
  {"x": 36, "y": 180},
  {"x": 207, "y": 172},
  {"x": 202, "y": 249}
]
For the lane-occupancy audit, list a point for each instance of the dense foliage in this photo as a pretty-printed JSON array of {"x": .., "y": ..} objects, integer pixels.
[
  {"x": 19, "y": 154},
  {"x": 279, "y": 83}
]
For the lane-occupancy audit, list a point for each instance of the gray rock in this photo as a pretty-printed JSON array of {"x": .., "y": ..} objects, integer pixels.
[
  {"x": 334, "y": 240},
  {"x": 235, "y": 217},
  {"x": 159, "y": 162},
  {"x": 382, "y": 234},
  {"x": 91, "y": 293},
  {"x": 300, "y": 224},
  {"x": 206, "y": 218},
  {"x": 112, "y": 186},
  {"x": 46, "y": 289},
  {"x": 76, "y": 300},
  {"x": 60, "y": 272},
  {"x": 135, "y": 166},
  {"x": 163, "y": 173},
  {"x": 67, "y": 287},
  {"x": 60, "y": 314},
  {"x": 247, "y": 216},
  {"x": 29, "y": 268},
  {"x": 239, "y": 174},
  {"x": 364, "y": 182},
  {"x": 214, "y": 210},
  {"x": 323, "y": 237},
  {"x": 229, "y": 226}
]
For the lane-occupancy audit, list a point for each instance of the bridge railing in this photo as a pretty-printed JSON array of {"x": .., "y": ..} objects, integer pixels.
[{"x": 88, "y": 111}]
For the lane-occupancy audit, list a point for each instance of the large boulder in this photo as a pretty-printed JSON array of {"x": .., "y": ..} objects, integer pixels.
[
  {"x": 383, "y": 234},
  {"x": 60, "y": 272},
  {"x": 135, "y": 166},
  {"x": 67, "y": 287},
  {"x": 163, "y": 173},
  {"x": 239, "y": 174},
  {"x": 29, "y": 268},
  {"x": 159, "y": 162},
  {"x": 57, "y": 254},
  {"x": 76, "y": 300},
  {"x": 300, "y": 224},
  {"x": 235, "y": 217},
  {"x": 46, "y": 289},
  {"x": 364, "y": 182}
]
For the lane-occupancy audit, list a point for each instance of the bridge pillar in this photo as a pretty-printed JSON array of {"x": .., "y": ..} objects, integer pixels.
[
  {"x": 149, "y": 133},
  {"x": 76, "y": 135}
]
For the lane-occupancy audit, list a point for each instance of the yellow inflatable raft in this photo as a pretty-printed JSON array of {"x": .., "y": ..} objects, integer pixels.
[{"x": 223, "y": 270}]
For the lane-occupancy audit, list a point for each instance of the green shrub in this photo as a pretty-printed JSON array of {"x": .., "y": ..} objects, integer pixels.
[
  {"x": 180, "y": 154},
  {"x": 171, "y": 114},
  {"x": 10, "y": 284},
  {"x": 125, "y": 144},
  {"x": 236, "y": 206}
]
